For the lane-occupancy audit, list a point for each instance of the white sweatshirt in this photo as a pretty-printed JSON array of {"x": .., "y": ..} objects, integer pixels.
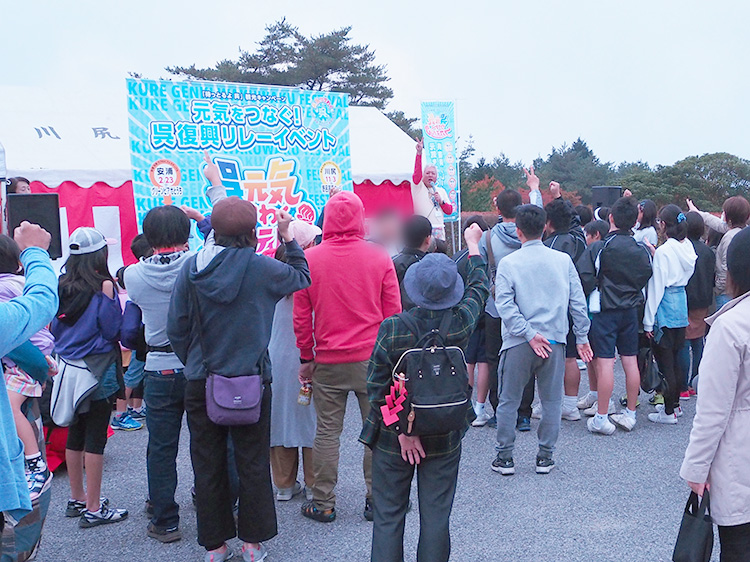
[{"x": 674, "y": 263}]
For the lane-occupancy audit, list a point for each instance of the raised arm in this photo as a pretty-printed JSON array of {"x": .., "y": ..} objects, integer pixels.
[{"x": 417, "y": 176}]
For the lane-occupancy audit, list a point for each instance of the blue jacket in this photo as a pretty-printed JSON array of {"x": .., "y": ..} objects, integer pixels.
[{"x": 20, "y": 318}]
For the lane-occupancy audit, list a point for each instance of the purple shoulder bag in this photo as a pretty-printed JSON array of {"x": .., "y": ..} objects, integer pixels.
[{"x": 231, "y": 400}]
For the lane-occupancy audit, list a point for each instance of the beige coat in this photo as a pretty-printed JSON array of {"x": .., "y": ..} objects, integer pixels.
[{"x": 719, "y": 448}]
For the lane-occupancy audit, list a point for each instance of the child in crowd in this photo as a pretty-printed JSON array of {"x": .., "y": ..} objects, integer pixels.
[
  {"x": 130, "y": 412},
  {"x": 645, "y": 228},
  {"x": 21, "y": 386},
  {"x": 87, "y": 330},
  {"x": 666, "y": 315}
]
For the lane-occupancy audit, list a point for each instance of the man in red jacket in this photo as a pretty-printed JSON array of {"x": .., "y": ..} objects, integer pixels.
[{"x": 336, "y": 321}]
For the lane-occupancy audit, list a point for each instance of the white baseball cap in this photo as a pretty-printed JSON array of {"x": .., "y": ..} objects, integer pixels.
[{"x": 86, "y": 240}]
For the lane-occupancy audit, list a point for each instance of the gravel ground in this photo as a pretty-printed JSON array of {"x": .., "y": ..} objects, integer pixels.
[{"x": 609, "y": 499}]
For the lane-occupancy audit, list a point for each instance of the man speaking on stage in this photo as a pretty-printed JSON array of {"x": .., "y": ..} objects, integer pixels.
[{"x": 429, "y": 200}]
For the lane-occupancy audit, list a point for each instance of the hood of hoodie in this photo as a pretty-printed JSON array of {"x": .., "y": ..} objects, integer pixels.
[
  {"x": 344, "y": 217},
  {"x": 220, "y": 281},
  {"x": 160, "y": 271},
  {"x": 506, "y": 232},
  {"x": 683, "y": 254}
]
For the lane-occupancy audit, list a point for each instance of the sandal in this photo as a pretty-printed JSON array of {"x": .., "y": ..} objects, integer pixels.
[{"x": 311, "y": 512}]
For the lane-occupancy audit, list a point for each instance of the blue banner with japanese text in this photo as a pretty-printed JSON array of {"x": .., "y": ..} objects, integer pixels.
[
  {"x": 439, "y": 136},
  {"x": 281, "y": 148}
]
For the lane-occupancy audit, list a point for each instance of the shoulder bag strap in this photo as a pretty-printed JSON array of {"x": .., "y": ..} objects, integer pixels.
[
  {"x": 490, "y": 254},
  {"x": 196, "y": 306}
]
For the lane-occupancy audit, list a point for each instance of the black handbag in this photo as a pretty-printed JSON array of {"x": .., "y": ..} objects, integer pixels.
[
  {"x": 695, "y": 540},
  {"x": 651, "y": 377}
]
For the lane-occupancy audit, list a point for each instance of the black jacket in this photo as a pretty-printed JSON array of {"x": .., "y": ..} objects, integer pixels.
[
  {"x": 402, "y": 262},
  {"x": 700, "y": 288},
  {"x": 625, "y": 268},
  {"x": 572, "y": 242}
]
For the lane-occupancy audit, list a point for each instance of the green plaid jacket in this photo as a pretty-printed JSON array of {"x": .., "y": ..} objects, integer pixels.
[{"x": 394, "y": 338}]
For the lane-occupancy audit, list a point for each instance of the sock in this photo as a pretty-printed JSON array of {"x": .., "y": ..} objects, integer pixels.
[
  {"x": 594, "y": 393},
  {"x": 569, "y": 402},
  {"x": 629, "y": 412},
  {"x": 35, "y": 463},
  {"x": 600, "y": 418},
  {"x": 138, "y": 410},
  {"x": 479, "y": 408}
]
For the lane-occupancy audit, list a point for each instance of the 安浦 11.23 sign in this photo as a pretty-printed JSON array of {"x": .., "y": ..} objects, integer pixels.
[{"x": 281, "y": 148}]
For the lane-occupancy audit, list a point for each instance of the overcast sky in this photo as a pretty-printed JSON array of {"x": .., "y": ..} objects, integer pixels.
[{"x": 638, "y": 80}]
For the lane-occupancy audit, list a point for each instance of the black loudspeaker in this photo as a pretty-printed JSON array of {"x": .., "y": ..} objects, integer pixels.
[
  {"x": 38, "y": 208},
  {"x": 605, "y": 195}
]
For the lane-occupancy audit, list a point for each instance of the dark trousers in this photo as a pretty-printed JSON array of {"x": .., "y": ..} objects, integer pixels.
[
  {"x": 735, "y": 543},
  {"x": 391, "y": 482},
  {"x": 256, "y": 521},
  {"x": 165, "y": 396},
  {"x": 689, "y": 367},
  {"x": 667, "y": 353},
  {"x": 494, "y": 342}
]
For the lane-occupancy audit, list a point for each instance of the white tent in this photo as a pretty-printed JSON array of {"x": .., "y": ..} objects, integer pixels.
[{"x": 56, "y": 136}]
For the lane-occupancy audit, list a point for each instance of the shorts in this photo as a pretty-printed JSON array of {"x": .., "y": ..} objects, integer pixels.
[
  {"x": 571, "y": 351},
  {"x": 88, "y": 432},
  {"x": 476, "y": 349},
  {"x": 134, "y": 374},
  {"x": 612, "y": 329},
  {"x": 21, "y": 382}
]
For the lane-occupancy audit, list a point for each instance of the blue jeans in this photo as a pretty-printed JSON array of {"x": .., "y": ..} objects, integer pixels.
[
  {"x": 696, "y": 347},
  {"x": 165, "y": 398}
]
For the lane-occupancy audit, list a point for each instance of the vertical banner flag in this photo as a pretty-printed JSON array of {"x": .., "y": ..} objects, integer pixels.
[
  {"x": 281, "y": 148},
  {"x": 439, "y": 136}
]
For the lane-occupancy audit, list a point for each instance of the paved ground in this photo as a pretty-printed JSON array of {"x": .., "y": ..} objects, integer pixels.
[{"x": 609, "y": 499}]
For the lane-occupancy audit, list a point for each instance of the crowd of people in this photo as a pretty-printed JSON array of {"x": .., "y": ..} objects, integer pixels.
[{"x": 261, "y": 353}]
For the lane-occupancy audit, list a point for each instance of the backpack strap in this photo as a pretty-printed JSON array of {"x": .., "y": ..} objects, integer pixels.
[
  {"x": 442, "y": 331},
  {"x": 445, "y": 324},
  {"x": 410, "y": 323}
]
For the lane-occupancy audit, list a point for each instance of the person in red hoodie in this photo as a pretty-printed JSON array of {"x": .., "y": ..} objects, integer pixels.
[{"x": 336, "y": 321}]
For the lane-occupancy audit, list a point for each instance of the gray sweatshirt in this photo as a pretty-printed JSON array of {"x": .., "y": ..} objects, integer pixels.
[
  {"x": 535, "y": 288},
  {"x": 149, "y": 284}
]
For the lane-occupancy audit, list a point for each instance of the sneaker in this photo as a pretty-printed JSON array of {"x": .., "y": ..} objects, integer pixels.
[
  {"x": 125, "y": 423},
  {"x": 250, "y": 554},
  {"x": 322, "y": 515},
  {"x": 368, "y": 513},
  {"x": 604, "y": 427},
  {"x": 661, "y": 417},
  {"x": 624, "y": 420},
  {"x": 170, "y": 534},
  {"x": 594, "y": 409},
  {"x": 492, "y": 422},
  {"x": 692, "y": 391},
  {"x": 228, "y": 554},
  {"x": 656, "y": 399},
  {"x": 624, "y": 402},
  {"x": 678, "y": 411},
  {"x": 582, "y": 366},
  {"x": 38, "y": 481},
  {"x": 685, "y": 395},
  {"x": 571, "y": 415},
  {"x": 76, "y": 508},
  {"x": 506, "y": 467},
  {"x": 536, "y": 412},
  {"x": 523, "y": 424},
  {"x": 587, "y": 401},
  {"x": 481, "y": 420},
  {"x": 136, "y": 414},
  {"x": 544, "y": 465},
  {"x": 104, "y": 516},
  {"x": 286, "y": 494}
]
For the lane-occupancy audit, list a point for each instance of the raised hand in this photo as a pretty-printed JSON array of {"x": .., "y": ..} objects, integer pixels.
[
  {"x": 28, "y": 235},
  {"x": 211, "y": 171},
  {"x": 691, "y": 206},
  {"x": 283, "y": 220},
  {"x": 531, "y": 178},
  {"x": 191, "y": 213},
  {"x": 473, "y": 234},
  {"x": 627, "y": 193},
  {"x": 555, "y": 190},
  {"x": 420, "y": 146}
]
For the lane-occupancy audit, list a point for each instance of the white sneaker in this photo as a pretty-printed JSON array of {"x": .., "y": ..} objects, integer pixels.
[
  {"x": 661, "y": 417},
  {"x": 581, "y": 365},
  {"x": 536, "y": 412},
  {"x": 286, "y": 494},
  {"x": 587, "y": 401},
  {"x": 571, "y": 415},
  {"x": 624, "y": 420},
  {"x": 605, "y": 427},
  {"x": 594, "y": 409},
  {"x": 482, "y": 419},
  {"x": 678, "y": 411}
]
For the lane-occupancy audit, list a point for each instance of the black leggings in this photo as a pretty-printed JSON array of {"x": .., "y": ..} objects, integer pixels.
[
  {"x": 735, "y": 543},
  {"x": 88, "y": 432},
  {"x": 667, "y": 353}
]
